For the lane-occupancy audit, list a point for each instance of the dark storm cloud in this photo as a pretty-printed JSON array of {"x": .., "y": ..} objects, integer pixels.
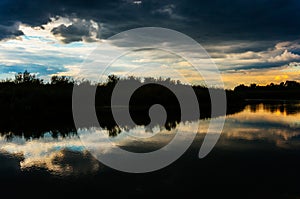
[
  {"x": 265, "y": 19},
  {"x": 79, "y": 30},
  {"x": 206, "y": 21},
  {"x": 261, "y": 65},
  {"x": 222, "y": 48},
  {"x": 9, "y": 32}
]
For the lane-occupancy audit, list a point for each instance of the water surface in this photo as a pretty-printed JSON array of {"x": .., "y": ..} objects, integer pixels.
[{"x": 257, "y": 155}]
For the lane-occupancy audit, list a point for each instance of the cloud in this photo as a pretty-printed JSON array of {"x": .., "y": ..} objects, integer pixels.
[
  {"x": 78, "y": 30},
  {"x": 283, "y": 45},
  {"x": 238, "y": 46},
  {"x": 10, "y": 32},
  {"x": 206, "y": 21},
  {"x": 245, "y": 55},
  {"x": 40, "y": 52},
  {"x": 240, "y": 35},
  {"x": 285, "y": 56},
  {"x": 280, "y": 54},
  {"x": 168, "y": 10},
  {"x": 59, "y": 156}
]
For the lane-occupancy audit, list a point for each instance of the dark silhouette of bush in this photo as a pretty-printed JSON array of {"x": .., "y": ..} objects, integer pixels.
[
  {"x": 61, "y": 80},
  {"x": 284, "y": 90}
]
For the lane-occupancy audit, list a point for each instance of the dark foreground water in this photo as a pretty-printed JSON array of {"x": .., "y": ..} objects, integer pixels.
[{"x": 257, "y": 155}]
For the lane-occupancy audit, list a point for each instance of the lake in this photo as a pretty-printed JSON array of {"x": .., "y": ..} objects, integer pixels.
[{"x": 257, "y": 155}]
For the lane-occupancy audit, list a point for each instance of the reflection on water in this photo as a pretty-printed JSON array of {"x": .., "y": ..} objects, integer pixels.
[
  {"x": 270, "y": 122},
  {"x": 270, "y": 127},
  {"x": 278, "y": 123},
  {"x": 58, "y": 155}
]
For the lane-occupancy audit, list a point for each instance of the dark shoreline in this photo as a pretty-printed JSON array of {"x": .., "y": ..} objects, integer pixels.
[{"x": 29, "y": 106}]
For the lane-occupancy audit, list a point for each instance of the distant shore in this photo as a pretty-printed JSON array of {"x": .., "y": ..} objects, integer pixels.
[{"x": 28, "y": 104}]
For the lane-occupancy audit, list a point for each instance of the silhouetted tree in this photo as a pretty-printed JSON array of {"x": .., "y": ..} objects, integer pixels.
[
  {"x": 112, "y": 80},
  {"x": 253, "y": 86},
  {"x": 61, "y": 80},
  {"x": 26, "y": 77}
]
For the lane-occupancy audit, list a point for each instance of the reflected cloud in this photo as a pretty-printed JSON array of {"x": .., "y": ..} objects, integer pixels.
[{"x": 60, "y": 156}]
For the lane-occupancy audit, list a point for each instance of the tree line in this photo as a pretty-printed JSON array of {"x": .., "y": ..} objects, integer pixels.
[
  {"x": 288, "y": 90},
  {"x": 28, "y": 103}
]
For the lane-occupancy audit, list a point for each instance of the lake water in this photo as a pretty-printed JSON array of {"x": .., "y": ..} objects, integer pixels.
[{"x": 257, "y": 155}]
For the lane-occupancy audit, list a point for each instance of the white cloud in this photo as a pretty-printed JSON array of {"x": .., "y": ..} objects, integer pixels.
[
  {"x": 285, "y": 56},
  {"x": 283, "y": 45}
]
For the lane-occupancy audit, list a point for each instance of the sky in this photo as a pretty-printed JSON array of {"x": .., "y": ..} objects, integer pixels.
[{"x": 255, "y": 41}]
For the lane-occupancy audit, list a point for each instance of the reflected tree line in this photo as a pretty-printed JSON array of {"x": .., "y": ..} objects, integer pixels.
[
  {"x": 29, "y": 106},
  {"x": 275, "y": 106}
]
